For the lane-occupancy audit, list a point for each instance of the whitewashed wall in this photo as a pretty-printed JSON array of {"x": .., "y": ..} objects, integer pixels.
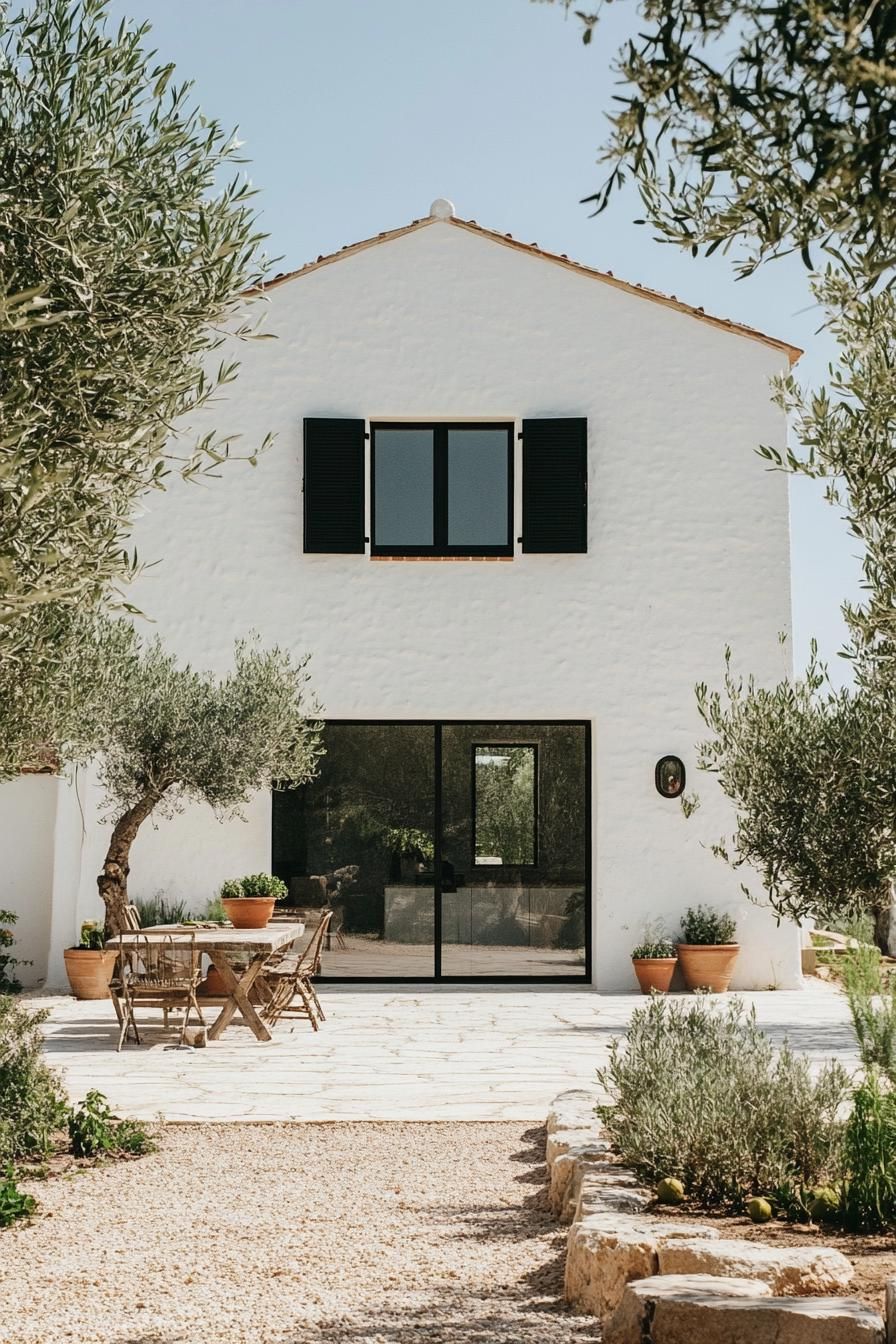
[
  {"x": 41, "y": 834},
  {"x": 688, "y": 550}
]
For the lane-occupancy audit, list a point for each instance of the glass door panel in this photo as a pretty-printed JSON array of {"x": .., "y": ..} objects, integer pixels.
[
  {"x": 501, "y": 809},
  {"x": 514, "y": 837},
  {"x": 359, "y": 839}
]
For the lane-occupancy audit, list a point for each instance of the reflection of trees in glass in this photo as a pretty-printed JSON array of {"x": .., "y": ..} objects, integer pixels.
[
  {"x": 373, "y": 803},
  {"x": 378, "y": 779},
  {"x": 369, "y": 808},
  {"x": 505, "y": 804},
  {"x": 410, "y": 840},
  {"x": 562, "y": 797}
]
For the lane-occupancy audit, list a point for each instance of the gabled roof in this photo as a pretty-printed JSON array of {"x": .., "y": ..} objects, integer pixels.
[{"x": 793, "y": 352}]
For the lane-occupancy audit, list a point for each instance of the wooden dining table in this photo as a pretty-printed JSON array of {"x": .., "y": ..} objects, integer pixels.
[{"x": 240, "y": 956}]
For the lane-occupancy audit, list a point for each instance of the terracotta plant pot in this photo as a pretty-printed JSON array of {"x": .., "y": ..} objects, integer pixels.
[
  {"x": 708, "y": 965},
  {"x": 89, "y": 972},
  {"x": 214, "y": 984},
  {"x": 249, "y": 912},
  {"x": 654, "y": 973}
]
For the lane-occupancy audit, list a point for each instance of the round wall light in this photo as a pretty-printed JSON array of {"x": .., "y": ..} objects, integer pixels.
[{"x": 669, "y": 776}]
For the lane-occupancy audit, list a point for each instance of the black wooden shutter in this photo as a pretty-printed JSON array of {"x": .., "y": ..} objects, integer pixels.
[
  {"x": 555, "y": 485},
  {"x": 334, "y": 486}
]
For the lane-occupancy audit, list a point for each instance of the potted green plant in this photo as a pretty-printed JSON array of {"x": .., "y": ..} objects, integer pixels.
[
  {"x": 90, "y": 964},
  {"x": 654, "y": 961},
  {"x": 249, "y": 901},
  {"x": 707, "y": 951}
]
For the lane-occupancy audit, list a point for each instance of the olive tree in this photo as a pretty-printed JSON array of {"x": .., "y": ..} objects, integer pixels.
[
  {"x": 811, "y": 771},
  {"x": 127, "y": 252},
  {"x": 56, "y": 720},
  {"x": 174, "y": 735},
  {"x": 845, "y": 434},
  {"x": 767, "y": 126},
  {"x": 764, "y": 123}
]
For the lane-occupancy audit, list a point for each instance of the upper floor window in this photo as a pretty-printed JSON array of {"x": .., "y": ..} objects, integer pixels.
[
  {"x": 441, "y": 489},
  {"x": 444, "y": 489}
]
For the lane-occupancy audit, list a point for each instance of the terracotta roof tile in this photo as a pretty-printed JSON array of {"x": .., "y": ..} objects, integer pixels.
[{"x": 793, "y": 352}]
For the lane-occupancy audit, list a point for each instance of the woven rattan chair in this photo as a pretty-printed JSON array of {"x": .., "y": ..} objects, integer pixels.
[
  {"x": 289, "y": 986},
  {"x": 130, "y": 924},
  {"x": 158, "y": 971}
]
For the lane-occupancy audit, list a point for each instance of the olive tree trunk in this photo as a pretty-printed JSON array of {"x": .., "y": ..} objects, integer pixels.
[{"x": 113, "y": 880}]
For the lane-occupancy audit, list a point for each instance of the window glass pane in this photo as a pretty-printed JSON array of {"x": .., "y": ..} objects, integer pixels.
[
  {"x": 504, "y": 831},
  {"x": 358, "y": 839},
  {"x": 477, "y": 487},
  {"x": 520, "y": 920},
  {"x": 403, "y": 487}
]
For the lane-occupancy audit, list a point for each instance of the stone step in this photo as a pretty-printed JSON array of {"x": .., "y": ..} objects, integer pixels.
[
  {"x": 573, "y": 1110},
  {"x": 583, "y": 1163},
  {"x": 592, "y": 1189},
  {"x": 606, "y": 1251},
  {"x": 585, "y": 1140},
  {"x": 796, "y": 1270},
  {"x": 704, "y": 1309}
]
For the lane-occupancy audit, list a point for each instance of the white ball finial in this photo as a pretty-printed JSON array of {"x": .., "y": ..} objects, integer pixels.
[{"x": 441, "y": 209}]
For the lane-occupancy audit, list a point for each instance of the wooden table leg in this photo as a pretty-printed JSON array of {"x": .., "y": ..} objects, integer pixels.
[{"x": 239, "y": 996}]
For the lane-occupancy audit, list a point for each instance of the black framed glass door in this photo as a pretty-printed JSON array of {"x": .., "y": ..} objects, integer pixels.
[{"x": 445, "y": 850}]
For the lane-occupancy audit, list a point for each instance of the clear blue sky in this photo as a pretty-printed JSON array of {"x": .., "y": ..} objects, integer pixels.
[{"x": 357, "y": 113}]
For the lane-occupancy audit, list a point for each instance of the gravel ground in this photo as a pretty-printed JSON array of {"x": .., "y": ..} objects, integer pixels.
[{"x": 297, "y": 1234}]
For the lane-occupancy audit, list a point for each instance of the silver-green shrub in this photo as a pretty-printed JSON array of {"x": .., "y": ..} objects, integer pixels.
[
  {"x": 867, "y": 1199},
  {"x": 701, "y": 1094},
  {"x": 32, "y": 1103},
  {"x": 872, "y": 1005}
]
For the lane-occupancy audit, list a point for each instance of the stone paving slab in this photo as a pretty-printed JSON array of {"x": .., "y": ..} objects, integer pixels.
[{"x": 395, "y": 1053}]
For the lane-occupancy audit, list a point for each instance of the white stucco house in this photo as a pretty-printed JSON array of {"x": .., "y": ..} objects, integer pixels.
[{"x": 514, "y": 513}]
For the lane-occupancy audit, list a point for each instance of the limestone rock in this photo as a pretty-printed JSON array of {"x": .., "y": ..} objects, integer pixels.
[
  {"x": 606, "y": 1251},
  {"x": 795, "y": 1270},
  {"x": 602, "y": 1256},
  {"x": 635, "y": 1319},
  {"x": 599, "y": 1195},
  {"x": 593, "y": 1176},
  {"x": 563, "y": 1141},
  {"x": 695, "y": 1314},
  {"x": 568, "y": 1170},
  {"x": 573, "y": 1110}
]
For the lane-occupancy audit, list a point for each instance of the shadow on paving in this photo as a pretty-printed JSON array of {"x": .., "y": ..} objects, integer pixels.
[
  {"x": 455, "y": 1319},
  {"x": 528, "y": 1220},
  {"x": 532, "y": 1158},
  {"x": 823, "y": 1042}
]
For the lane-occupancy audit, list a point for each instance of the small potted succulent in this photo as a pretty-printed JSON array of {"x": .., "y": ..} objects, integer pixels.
[
  {"x": 707, "y": 951},
  {"x": 654, "y": 961},
  {"x": 90, "y": 964},
  {"x": 249, "y": 901}
]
